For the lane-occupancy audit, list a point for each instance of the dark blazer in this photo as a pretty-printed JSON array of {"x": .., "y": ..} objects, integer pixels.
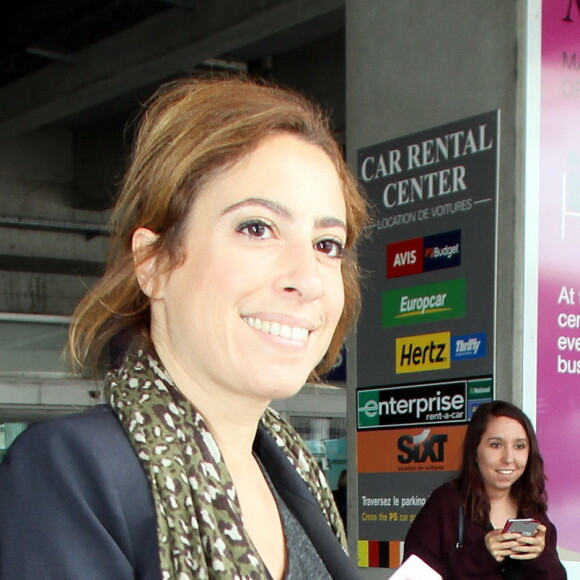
[{"x": 75, "y": 504}]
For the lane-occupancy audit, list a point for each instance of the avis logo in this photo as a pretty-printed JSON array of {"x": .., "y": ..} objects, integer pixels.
[
  {"x": 405, "y": 258},
  {"x": 420, "y": 448}
]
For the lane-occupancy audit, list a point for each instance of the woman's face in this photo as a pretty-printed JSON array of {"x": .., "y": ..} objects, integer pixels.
[
  {"x": 253, "y": 307},
  {"x": 502, "y": 454}
]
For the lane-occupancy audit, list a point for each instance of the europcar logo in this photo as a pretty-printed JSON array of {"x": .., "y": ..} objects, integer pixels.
[
  {"x": 423, "y": 352},
  {"x": 412, "y": 406},
  {"x": 425, "y": 254},
  {"x": 438, "y": 301}
]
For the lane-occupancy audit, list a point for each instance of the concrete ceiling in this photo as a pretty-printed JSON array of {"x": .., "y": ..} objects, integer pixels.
[
  {"x": 72, "y": 73},
  {"x": 77, "y": 71},
  {"x": 70, "y": 62}
]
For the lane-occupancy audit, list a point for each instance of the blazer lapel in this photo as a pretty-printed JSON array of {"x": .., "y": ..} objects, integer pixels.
[{"x": 298, "y": 498}]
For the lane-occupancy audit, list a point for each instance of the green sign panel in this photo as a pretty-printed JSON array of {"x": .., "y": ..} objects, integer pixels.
[{"x": 439, "y": 301}]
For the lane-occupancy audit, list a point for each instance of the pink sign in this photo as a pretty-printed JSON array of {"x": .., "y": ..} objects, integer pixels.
[{"x": 558, "y": 362}]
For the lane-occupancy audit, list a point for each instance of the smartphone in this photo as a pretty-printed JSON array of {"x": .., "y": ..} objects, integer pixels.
[{"x": 526, "y": 526}]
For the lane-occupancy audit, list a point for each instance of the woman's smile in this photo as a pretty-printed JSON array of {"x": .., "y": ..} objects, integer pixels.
[
  {"x": 286, "y": 331},
  {"x": 254, "y": 305}
]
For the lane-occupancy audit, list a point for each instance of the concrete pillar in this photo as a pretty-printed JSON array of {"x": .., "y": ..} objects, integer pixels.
[{"x": 416, "y": 65}]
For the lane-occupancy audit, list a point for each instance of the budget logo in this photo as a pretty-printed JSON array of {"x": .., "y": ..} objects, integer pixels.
[
  {"x": 425, "y": 254},
  {"x": 442, "y": 251},
  {"x": 411, "y": 406},
  {"x": 469, "y": 346},
  {"x": 424, "y": 352},
  {"x": 424, "y": 303}
]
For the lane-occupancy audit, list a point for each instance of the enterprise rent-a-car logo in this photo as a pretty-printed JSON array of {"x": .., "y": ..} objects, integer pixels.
[{"x": 412, "y": 405}]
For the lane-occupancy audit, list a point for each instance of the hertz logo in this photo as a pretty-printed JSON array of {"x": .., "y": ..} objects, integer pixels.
[{"x": 424, "y": 352}]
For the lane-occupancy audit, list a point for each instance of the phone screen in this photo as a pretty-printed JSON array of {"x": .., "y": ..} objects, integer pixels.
[{"x": 526, "y": 527}]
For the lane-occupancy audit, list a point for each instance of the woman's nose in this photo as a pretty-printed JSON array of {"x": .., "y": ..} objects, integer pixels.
[
  {"x": 508, "y": 455},
  {"x": 301, "y": 272}
]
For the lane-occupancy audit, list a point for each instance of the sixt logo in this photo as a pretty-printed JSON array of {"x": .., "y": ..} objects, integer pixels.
[
  {"x": 425, "y": 254},
  {"x": 469, "y": 346},
  {"x": 424, "y": 352},
  {"x": 422, "y": 447}
]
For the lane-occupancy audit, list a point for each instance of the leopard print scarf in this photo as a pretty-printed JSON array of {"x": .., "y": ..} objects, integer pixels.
[{"x": 199, "y": 522}]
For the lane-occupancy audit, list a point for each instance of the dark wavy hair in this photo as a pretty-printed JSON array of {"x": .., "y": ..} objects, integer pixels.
[{"x": 529, "y": 490}]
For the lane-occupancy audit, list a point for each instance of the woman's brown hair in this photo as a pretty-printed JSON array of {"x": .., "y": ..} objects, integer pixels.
[
  {"x": 529, "y": 491},
  {"x": 189, "y": 131}
]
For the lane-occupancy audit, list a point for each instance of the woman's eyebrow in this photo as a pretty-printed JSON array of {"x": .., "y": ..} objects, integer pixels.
[
  {"x": 283, "y": 211},
  {"x": 331, "y": 222},
  {"x": 273, "y": 206}
]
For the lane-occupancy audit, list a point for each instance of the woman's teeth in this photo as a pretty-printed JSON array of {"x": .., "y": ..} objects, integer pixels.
[{"x": 275, "y": 328}]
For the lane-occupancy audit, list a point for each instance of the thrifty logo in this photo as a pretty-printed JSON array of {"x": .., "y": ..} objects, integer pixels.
[
  {"x": 425, "y": 254},
  {"x": 469, "y": 346},
  {"x": 438, "y": 301},
  {"x": 423, "y": 352}
]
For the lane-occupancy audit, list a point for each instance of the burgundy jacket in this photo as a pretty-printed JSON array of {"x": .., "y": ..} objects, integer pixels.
[{"x": 433, "y": 537}]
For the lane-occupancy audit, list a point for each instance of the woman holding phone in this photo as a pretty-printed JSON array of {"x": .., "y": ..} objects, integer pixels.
[{"x": 460, "y": 530}]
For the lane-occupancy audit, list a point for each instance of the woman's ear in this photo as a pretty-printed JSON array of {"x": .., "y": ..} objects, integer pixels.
[{"x": 145, "y": 261}]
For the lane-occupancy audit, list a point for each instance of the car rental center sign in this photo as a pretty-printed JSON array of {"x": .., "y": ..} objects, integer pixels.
[{"x": 426, "y": 334}]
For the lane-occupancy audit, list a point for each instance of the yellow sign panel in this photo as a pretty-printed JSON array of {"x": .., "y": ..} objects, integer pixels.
[{"x": 423, "y": 352}]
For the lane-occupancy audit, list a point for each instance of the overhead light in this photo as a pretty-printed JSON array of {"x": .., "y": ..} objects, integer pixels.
[
  {"x": 51, "y": 54},
  {"x": 180, "y": 3},
  {"x": 225, "y": 64}
]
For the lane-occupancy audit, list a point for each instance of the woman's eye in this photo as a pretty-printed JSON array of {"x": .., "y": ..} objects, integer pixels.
[
  {"x": 494, "y": 445},
  {"x": 330, "y": 247},
  {"x": 256, "y": 229}
]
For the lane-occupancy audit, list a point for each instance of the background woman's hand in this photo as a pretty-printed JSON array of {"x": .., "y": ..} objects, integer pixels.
[
  {"x": 500, "y": 545},
  {"x": 530, "y": 547}
]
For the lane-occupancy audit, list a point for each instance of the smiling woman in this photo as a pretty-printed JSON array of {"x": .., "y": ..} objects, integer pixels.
[
  {"x": 459, "y": 531},
  {"x": 275, "y": 258},
  {"x": 231, "y": 282}
]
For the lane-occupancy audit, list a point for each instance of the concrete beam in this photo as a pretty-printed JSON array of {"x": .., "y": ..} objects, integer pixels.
[
  {"x": 162, "y": 47},
  {"x": 29, "y": 399}
]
